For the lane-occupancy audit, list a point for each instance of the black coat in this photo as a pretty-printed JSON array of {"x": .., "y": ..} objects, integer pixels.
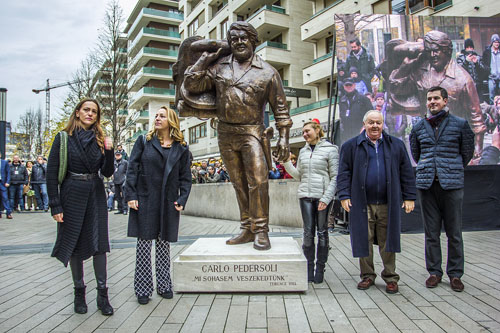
[
  {"x": 18, "y": 174},
  {"x": 39, "y": 172},
  {"x": 157, "y": 184},
  {"x": 351, "y": 181},
  {"x": 84, "y": 231},
  {"x": 352, "y": 108}
]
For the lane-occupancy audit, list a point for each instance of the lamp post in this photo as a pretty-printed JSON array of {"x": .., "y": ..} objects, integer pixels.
[{"x": 3, "y": 119}]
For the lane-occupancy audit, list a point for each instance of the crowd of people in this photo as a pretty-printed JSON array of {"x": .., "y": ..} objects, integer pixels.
[
  {"x": 472, "y": 80},
  {"x": 23, "y": 185}
]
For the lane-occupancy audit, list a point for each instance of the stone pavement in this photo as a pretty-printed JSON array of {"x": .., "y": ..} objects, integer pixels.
[{"x": 36, "y": 292}]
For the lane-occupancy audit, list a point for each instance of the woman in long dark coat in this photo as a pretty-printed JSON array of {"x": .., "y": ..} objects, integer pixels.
[
  {"x": 79, "y": 204},
  {"x": 157, "y": 187}
]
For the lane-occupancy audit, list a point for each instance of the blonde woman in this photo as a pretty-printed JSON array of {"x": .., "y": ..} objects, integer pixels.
[
  {"x": 157, "y": 187},
  {"x": 79, "y": 204},
  {"x": 316, "y": 170}
]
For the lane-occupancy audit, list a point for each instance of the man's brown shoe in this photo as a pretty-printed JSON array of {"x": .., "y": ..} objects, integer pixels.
[
  {"x": 432, "y": 281},
  {"x": 9, "y": 217},
  {"x": 246, "y": 236},
  {"x": 391, "y": 287},
  {"x": 261, "y": 241},
  {"x": 365, "y": 283},
  {"x": 456, "y": 284}
]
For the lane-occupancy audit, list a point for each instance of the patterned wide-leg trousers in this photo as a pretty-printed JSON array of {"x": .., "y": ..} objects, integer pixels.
[{"x": 143, "y": 279}]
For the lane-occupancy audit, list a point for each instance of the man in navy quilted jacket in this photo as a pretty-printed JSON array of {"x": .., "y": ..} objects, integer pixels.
[{"x": 442, "y": 144}]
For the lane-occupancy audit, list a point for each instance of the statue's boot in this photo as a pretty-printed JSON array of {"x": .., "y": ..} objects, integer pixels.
[
  {"x": 246, "y": 236},
  {"x": 261, "y": 241}
]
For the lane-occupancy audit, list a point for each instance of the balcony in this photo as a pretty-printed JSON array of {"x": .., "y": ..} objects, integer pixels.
[
  {"x": 146, "y": 94},
  {"x": 147, "y": 73},
  {"x": 322, "y": 21},
  {"x": 122, "y": 112},
  {"x": 319, "y": 71},
  {"x": 274, "y": 53},
  {"x": 136, "y": 135},
  {"x": 152, "y": 34},
  {"x": 270, "y": 20},
  {"x": 306, "y": 108},
  {"x": 146, "y": 15},
  {"x": 152, "y": 53}
]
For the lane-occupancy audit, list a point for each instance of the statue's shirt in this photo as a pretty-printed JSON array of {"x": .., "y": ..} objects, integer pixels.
[{"x": 241, "y": 100}]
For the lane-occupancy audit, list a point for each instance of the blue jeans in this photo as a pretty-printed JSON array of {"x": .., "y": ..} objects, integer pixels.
[
  {"x": 111, "y": 198},
  {"x": 42, "y": 199},
  {"x": 16, "y": 194},
  {"x": 494, "y": 88},
  {"x": 5, "y": 199}
]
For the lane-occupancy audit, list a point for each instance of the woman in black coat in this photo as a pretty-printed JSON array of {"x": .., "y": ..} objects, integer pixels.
[
  {"x": 79, "y": 203},
  {"x": 157, "y": 187}
]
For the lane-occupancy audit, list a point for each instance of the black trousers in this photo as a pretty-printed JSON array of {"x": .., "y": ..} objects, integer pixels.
[
  {"x": 443, "y": 207},
  {"x": 120, "y": 198},
  {"x": 314, "y": 219}
]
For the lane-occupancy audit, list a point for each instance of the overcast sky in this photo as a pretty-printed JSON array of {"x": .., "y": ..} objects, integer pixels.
[{"x": 42, "y": 40}]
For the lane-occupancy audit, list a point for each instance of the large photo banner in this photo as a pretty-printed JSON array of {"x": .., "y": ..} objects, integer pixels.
[{"x": 388, "y": 62}]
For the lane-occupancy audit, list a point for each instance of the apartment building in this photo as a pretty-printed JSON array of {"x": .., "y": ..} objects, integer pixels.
[
  {"x": 278, "y": 24},
  {"x": 153, "y": 41},
  {"x": 318, "y": 30}
]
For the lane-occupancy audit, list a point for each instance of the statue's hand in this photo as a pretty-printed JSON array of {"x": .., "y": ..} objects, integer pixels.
[
  {"x": 208, "y": 58},
  {"x": 283, "y": 149}
]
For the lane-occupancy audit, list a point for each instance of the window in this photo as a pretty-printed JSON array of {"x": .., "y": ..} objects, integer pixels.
[
  {"x": 224, "y": 27},
  {"x": 329, "y": 44},
  {"x": 197, "y": 132},
  {"x": 193, "y": 27},
  {"x": 213, "y": 34}
]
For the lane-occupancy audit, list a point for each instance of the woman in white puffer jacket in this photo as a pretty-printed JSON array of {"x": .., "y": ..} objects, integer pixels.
[{"x": 317, "y": 167}]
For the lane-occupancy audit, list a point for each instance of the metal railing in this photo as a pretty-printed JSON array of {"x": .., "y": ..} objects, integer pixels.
[
  {"x": 154, "y": 50},
  {"x": 273, "y": 8},
  {"x": 173, "y": 15},
  {"x": 323, "y": 57},
  {"x": 271, "y": 44},
  {"x": 159, "y": 91},
  {"x": 161, "y": 32}
]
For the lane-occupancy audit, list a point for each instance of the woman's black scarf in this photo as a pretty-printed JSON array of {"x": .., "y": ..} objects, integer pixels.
[{"x": 86, "y": 137}]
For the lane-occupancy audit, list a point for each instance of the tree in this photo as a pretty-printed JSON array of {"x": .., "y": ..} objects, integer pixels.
[
  {"x": 110, "y": 87},
  {"x": 31, "y": 124},
  {"x": 83, "y": 84}
]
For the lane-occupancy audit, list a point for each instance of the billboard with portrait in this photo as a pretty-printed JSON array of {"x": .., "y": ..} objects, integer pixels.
[{"x": 388, "y": 62}]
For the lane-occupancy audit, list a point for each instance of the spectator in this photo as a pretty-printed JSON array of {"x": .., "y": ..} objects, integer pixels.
[
  {"x": 352, "y": 107},
  {"x": 122, "y": 151},
  {"x": 473, "y": 64},
  {"x": 491, "y": 61},
  {"x": 360, "y": 85},
  {"x": 30, "y": 195},
  {"x": 274, "y": 173},
  {"x": 212, "y": 176},
  {"x": 360, "y": 58},
  {"x": 217, "y": 166},
  {"x": 224, "y": 175},
  {"x": 119, "y": 180},
  {"x": 4, "y": 186},
  {"x": 111, "y": 195},
  {"x": 194, "y": 175},
  {"x": 38, "y": 181},
  {"x": 18, "y": 178},
  {"x": 442, "y": 144},
  {"x": 375, "y": 178}
]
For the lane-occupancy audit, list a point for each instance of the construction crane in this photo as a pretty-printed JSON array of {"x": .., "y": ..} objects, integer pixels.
[{"x": 47, "y": 89}]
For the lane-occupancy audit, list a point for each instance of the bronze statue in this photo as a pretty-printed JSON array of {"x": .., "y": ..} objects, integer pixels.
[
  {"x": 229, "y": 81},
  {"x": 413, "y": 68}
]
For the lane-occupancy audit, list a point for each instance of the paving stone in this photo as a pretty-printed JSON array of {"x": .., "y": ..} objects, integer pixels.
[
  {"x": 236, "y": 319},
  {"x": 196, "y": 319},
  {"x": 257, "y": 317},
  {"x": 217, "y": 316},
  {"x": 297, "y": 319},
  {"x": 277, "y": 325}
]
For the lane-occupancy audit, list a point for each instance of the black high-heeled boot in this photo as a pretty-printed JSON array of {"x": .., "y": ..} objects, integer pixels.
[
  {"x": 102, "y": 290},
  {"x": 80, "y": 305},
  {"x": 309, "y": 254},
  {"x": 322, "y": 257}
]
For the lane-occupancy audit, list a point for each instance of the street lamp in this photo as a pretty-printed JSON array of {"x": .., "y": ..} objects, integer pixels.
[{"x": 3, "y": 119}]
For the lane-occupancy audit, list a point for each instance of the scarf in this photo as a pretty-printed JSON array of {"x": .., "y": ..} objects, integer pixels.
[
  {"x": 86, "y": 137},
  {"x": 435, "y": 120}
]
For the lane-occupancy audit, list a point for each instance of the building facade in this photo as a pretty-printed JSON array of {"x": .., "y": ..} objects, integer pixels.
[{"x": 153, "y": 42}]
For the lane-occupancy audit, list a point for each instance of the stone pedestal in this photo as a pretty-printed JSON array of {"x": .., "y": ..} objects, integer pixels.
[{"x": 209, "y": 265}]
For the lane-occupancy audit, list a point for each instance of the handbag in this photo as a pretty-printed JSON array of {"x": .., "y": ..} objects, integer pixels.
[{"x": 63, "y": 157}]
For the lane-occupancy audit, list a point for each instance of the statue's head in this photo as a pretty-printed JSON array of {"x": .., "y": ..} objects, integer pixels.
[
  {"x": 243, "y": 39},
  {"x": 439, "y": 48}
]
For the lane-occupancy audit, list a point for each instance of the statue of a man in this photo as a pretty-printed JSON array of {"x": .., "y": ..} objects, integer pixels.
[
  {"x": 431, "y": 64},
  {"x": 244, "y": 84}
]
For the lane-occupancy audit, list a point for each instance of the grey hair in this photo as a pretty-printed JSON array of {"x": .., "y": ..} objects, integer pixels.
[{"x": 368, "y": 113}]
